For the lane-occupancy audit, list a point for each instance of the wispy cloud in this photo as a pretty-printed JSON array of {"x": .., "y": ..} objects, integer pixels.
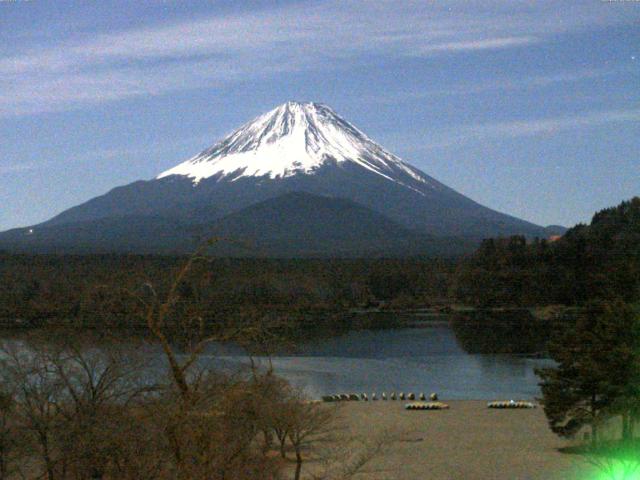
[
  {"x": 19, "y": 167},
  {"x": 481, "y": 132},
  {"x": 483, "y": 44},
  {"x": 549, "y": 125},
  {"x": 502, "y": 83},
  {"x": 210, "y": 51}
]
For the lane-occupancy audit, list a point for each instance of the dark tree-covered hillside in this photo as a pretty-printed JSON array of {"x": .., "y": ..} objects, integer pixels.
[{"x": 599, "y": 260}]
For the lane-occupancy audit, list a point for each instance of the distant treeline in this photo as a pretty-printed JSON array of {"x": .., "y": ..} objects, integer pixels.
[{"x": 110, "y": 290}]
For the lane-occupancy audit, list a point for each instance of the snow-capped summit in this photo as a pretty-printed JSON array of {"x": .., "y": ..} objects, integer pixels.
[{"x": 293, "y": 138}]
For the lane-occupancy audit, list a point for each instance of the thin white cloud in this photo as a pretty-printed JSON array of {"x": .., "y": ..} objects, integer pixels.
[
  {"x": 550, "y": 125},
  {"x": 19, "y": 167},
  {"x": 207, "y": 52},
  {"x": 526, "y": 128},
  {"x": 484, "y": 44},
  {"x": 502, "y": 84},
  {"x": 60, "y": 92}
]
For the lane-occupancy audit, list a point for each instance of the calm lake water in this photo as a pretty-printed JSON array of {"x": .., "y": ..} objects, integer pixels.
[
  {"x": 401, "y": 360},
  {"x": 427, "y": 359}
]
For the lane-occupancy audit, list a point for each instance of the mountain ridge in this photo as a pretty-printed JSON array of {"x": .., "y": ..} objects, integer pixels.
[
  {"x": 295, "y": 224},
  {"x": 296, "y": 147}
]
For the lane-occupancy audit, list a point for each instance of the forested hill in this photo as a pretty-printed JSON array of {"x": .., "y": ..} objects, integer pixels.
[{"x": 599, "y": 260}]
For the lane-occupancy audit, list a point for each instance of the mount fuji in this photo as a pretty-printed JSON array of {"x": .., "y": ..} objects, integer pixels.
[{"x": 298, "y": 180}]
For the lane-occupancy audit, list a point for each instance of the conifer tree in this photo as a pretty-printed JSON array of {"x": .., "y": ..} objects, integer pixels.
[{"x": 598, "y": 366}]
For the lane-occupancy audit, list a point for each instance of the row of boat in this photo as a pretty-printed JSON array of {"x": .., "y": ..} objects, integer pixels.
[
  {"x": 433, "y": 404},
  {"x": 364, "y": 397}
]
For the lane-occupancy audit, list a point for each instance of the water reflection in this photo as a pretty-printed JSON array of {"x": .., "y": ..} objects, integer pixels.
[{"x": 408, "y": 360}]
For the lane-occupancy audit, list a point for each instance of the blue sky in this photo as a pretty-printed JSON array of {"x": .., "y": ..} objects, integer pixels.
[{"x": 531, "y": 108}]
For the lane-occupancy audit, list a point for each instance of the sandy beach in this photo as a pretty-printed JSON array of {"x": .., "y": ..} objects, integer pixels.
[{"x": 468, "y": 441}]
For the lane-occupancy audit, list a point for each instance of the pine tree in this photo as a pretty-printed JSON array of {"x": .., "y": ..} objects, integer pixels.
[{"x": 598, "y": 365}]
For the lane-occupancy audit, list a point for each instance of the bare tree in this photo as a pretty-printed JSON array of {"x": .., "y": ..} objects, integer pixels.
[
  {"x": 9, "y": 437},
  {"x": 308, "y": 424},
  {"x": 37, "y": 391},
  {"x": 203, "y": 408},
  {"x": 210, "y": 424},
  {"x": 98, "y": 385},
  {"x": 74, "y": 404}
]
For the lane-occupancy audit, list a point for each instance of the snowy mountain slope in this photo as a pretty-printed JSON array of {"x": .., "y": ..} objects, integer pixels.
[
  {"x": 294, "y": 138},
  {"x": 296, "y": 147}
]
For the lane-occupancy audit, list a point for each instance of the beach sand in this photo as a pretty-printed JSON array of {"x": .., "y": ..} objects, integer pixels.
[{"x": 466, "y": 442}]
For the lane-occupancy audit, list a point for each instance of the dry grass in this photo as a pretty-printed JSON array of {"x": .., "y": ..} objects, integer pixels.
[{"x": 467, "y": 442}]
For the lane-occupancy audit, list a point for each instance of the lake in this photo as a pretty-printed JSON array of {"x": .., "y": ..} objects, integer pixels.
[{"x": 406, "y": 360}]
